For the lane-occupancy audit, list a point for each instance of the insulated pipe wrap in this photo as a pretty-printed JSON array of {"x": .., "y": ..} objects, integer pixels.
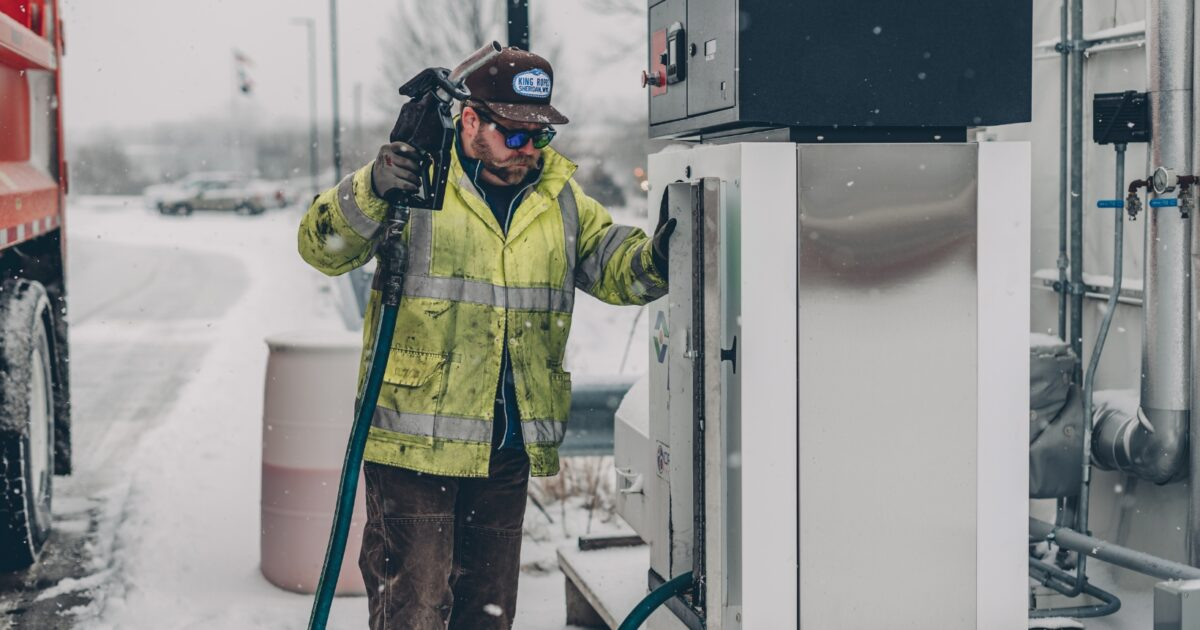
[
  {"x": 1166, "y": 356},
  {"x": 1169, "y": 44},
  {"x": 1120, "y": 441}
]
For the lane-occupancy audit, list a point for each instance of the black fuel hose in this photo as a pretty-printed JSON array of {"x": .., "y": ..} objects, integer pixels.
[
  {"x": 393, "y": 262},
  {"x": 656, "y": 598}
]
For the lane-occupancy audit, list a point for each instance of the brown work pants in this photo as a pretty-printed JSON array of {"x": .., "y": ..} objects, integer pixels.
[{"x": 444, "y": 552}]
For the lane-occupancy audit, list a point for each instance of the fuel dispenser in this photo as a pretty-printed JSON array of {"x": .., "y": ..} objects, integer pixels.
[{"x": 833, "y": 430}]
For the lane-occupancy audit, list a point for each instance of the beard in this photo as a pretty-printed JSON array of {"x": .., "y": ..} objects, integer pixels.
[{"x": 512, "y": 171}]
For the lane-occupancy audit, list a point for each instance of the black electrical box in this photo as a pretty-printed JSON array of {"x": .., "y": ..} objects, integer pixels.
[
  {"x": 1121, "y": 117},
  {"x": 838, "y": 70}
]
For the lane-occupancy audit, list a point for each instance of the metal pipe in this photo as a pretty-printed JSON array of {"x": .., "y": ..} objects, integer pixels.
[
  {"x": 1123, "y": 441},
  {"x": 313, "y": 142},
  {"x": 1089, "y": 380},
  {"x": 310, "y": 25},
  {"x": 1059, "y": 580},
  {"x": 1064, "y": 102},
  {"x": 1047, "y": 575},
  {"x": 1193, "y": 524},
  {"x": 1077, "y": 46},
  {"x": 1068, "y": 507},
  {"x": 1130, "y": 35},
  {"x": 1166, "y": 333},
  {"x": 1083, "y": 501},
  {"x": 1111, "y": 553}
]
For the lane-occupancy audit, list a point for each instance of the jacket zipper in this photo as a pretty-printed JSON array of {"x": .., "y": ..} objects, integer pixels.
[{"x": 508, "y": 360}]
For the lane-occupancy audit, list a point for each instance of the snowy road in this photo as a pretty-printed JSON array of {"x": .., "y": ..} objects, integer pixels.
[
  {"x": 153, "y": 301},
  {"x": 126, "y": 372},
  {"x": 159, "y": 525},
  {"x": 125, "y": 378}
]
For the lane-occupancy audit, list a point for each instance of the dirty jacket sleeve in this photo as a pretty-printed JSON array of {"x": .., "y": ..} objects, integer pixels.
[
  {"x": 338, "y": 232},
  {"x": 615, "y": 261}
]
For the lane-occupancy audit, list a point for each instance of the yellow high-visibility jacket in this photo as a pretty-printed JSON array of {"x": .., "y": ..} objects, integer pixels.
[{"x": 467, "y": 283}]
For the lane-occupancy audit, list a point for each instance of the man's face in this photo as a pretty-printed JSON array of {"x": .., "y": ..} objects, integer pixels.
[{"x": 501, "y": 165}]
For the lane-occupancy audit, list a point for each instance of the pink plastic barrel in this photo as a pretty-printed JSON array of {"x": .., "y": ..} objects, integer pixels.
[{"x": 307, "y": 412}]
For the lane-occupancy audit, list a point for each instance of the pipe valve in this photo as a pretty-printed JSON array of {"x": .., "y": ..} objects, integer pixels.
[
  {"x": 1133, "y": 205},
  {"x": 1186, "y": 184}
]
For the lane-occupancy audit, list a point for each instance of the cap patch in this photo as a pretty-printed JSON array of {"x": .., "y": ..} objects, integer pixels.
[{"x": 532, "y": 83}]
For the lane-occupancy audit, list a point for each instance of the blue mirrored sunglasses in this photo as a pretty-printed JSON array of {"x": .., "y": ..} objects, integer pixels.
[{"x": 516, "y": 139}]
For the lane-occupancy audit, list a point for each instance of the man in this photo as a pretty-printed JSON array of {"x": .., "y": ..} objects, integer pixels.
[{"x": 475, "y": 397}]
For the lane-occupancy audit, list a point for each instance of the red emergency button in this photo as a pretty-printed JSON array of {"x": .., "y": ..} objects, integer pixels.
[{"x": 657, "y": 79}]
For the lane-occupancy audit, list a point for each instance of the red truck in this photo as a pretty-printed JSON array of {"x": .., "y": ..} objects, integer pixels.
[{"x": 34, "y": 395}]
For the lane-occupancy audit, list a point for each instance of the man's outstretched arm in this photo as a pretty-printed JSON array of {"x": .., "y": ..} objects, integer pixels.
[
  {"x": 338, "y": 232},
  {"x": 616, "y": 262}
]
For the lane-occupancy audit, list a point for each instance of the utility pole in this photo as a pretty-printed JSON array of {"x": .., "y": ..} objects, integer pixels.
[
  {"x": 312, "y": 99},
  {"x": 235, "y": 133},
  {"x": 518, "y": 24},
  {"x": 358, "y": 130},
  {"x": 337, "y": 132}
]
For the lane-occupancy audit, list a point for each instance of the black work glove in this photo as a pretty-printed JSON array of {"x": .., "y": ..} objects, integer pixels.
[
  {"x": 662, "y": 238},
  {"x": 396, "y": 169}
]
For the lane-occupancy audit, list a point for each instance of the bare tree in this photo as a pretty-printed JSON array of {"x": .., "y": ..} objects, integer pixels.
[
  {"x": 623, "y": 41},
  {"x": 426, "y": 34}
]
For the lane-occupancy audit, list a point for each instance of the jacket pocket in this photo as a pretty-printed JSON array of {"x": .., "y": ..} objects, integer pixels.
[
  {"x": 413, "y": 368},
  {"x": 415, "y": 386},
  {"x": 560, "y": 394}
]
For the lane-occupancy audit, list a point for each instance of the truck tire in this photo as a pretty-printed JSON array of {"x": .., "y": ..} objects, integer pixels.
[{"x": 27, "y": 418}]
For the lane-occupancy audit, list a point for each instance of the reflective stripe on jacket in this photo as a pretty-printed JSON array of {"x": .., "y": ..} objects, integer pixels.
[{"x": 466, "y": 280}]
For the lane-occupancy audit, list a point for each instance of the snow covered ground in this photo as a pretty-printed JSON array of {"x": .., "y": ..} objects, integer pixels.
[{"x": 174, "y": 539}]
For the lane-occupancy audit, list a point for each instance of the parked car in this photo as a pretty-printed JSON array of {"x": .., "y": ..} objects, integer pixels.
[
  {"x": 277, "y": 194},
  {"x": 209, "y": 191},
  {"x": 159, "y": 196}
]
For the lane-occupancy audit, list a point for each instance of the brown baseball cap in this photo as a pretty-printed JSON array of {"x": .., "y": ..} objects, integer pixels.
[{"x": 516, "y": 84}]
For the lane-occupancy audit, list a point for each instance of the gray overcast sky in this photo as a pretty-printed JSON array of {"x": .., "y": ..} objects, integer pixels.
[{"x": 138, "y": 62}]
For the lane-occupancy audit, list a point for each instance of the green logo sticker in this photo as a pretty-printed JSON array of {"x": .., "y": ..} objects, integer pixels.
[{"x": 661, "y": 336}]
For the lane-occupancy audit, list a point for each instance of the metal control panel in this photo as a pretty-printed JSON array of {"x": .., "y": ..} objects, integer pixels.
[
  {"x": 838, "y": 70},
  {"x": 668, "y": 101}
]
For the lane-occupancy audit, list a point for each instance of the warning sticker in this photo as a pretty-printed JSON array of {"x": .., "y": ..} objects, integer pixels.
[{"x": 662, "y": 461}]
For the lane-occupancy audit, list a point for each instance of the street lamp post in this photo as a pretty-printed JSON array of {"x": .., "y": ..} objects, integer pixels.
[
  {"x": 312, "y": 99},
  {"x": 337, "y": 132}
]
